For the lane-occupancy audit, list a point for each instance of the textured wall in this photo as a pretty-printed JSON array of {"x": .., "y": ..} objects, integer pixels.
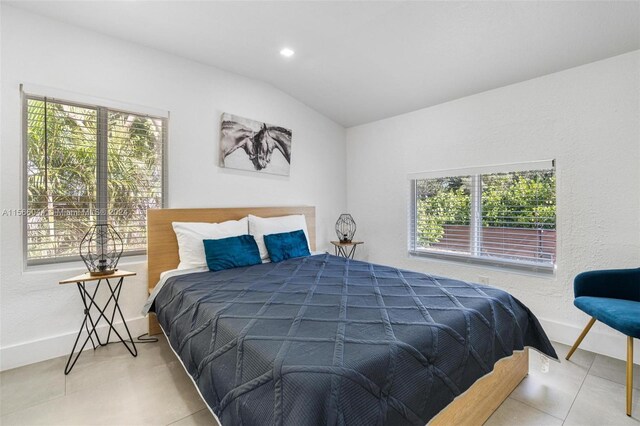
[
  {"x": 39, "y": 319},
  {"x": 587, "y": 118}
]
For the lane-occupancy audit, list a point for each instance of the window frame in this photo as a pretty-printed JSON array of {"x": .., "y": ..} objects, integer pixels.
[
  {"x": 475, "y": 220},
  {"x": 102, "y": 107}
]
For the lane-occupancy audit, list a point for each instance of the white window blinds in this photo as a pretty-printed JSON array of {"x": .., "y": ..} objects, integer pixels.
[
  {"x": 88, "y": 164},
  {"x": 501, "y": 218},
  {"x": 134, "y": 174}
]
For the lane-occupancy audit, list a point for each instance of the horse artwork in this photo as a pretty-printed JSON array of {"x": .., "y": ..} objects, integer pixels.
[{"x": 252, "y": 145}]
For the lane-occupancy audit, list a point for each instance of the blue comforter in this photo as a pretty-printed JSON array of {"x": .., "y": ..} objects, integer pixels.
[{"x": 325, "y": 340}]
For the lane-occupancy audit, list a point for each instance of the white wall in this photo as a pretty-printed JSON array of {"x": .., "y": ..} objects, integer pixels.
[
  {"x": 586, "y": 117},
  {"x": 39, "y": 318}
]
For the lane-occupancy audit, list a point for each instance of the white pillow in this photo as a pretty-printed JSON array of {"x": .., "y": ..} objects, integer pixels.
[
  {"x": 191, "y": 234},
  {"x": 261, "y": 226}
]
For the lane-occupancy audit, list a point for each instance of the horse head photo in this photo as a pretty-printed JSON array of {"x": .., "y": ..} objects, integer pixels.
[{"x": 252, "y": 145}]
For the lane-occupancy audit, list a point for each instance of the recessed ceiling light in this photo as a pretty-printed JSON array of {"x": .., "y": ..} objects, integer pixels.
[{"x": 286, "y": 52}]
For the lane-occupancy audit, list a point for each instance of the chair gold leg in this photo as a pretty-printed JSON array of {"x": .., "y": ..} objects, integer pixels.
[
  {"x": 629, "y": 373},
  {"x": 580, "y": 338}
]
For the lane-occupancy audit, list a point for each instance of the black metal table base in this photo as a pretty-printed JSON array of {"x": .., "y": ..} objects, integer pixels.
[
  {"x": 88, "y": 300},
  {"x": 342, "y": 251}
]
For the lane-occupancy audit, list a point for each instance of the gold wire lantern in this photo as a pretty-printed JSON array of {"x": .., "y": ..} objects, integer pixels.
[
  {"x": 100, "y": 249},
  {"x": 345, "y": 228}
]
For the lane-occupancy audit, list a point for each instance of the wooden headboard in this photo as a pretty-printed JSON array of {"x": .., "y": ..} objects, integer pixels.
[{"x": 162, "y": 245}]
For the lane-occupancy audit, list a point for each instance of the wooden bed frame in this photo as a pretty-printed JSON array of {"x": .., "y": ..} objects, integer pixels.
[{"x": 473, "y": 407}]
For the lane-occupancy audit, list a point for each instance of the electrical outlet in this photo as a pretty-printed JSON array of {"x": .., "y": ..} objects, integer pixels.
[{"x": 483, "y": 279}]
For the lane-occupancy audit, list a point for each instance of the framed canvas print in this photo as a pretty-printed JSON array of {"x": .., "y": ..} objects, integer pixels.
[{"x": 252, "y": 145}]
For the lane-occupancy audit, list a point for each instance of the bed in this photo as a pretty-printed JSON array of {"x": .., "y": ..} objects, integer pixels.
[{"x": 327, "y": 340}]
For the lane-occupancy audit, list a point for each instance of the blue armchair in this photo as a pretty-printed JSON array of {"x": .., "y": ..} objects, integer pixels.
[{"x": 612, "y": 297}]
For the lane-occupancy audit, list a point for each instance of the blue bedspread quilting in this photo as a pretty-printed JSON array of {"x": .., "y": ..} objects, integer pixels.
[{"x": 326, "y": 340}]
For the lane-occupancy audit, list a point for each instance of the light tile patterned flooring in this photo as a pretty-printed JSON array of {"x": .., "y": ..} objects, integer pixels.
[{"x": 109, "y": 387}]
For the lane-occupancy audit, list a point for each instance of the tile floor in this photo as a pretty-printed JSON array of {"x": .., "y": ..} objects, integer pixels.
[{"x": 108, "y": 386}]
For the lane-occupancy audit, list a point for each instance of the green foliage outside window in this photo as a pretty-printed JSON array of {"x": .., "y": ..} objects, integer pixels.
[
  {"x": 519, "y": 200},
  {"x": 62, "y": 183},
  {"x": 510, "y": 200},
  {"x": 61, "y": 176},
  {"x": 135, "y": 174},
  {"x": 441, "y": 202}
]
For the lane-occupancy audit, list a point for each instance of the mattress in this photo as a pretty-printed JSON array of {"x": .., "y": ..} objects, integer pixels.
[{"x": 327, "y": 340}]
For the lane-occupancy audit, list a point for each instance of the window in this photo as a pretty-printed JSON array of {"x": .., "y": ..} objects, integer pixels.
[
  {"x": 88, "y": 164},
  {"x": 502, "y": 215}
]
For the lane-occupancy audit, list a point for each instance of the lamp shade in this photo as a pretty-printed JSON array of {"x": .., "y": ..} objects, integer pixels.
[
  {"x": 100, "y": 249},
  {"x": 345, "y": 228}
]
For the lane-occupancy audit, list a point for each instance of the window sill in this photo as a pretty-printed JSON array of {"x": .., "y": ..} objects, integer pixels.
[
  {"x": 495, "y": 264},
  {"x": 74, "y": 266}
]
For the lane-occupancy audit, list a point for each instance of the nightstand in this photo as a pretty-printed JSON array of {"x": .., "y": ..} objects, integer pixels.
[
  {"x": 89, "y": 301},
  {"x": 347, "y": 250}
]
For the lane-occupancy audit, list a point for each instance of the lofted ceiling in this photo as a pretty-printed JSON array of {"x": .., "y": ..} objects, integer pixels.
[{"x": 361, "y": 61}]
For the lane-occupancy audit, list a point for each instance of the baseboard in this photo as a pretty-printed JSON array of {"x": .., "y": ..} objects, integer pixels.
[
  {"x": 610, "y": 342},
  {"x": 52, "y": 347}
]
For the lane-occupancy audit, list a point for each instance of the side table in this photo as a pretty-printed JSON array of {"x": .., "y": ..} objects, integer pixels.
[
  {"x": 89, "y": 301},
  {"x": 347, "y": 250}
]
